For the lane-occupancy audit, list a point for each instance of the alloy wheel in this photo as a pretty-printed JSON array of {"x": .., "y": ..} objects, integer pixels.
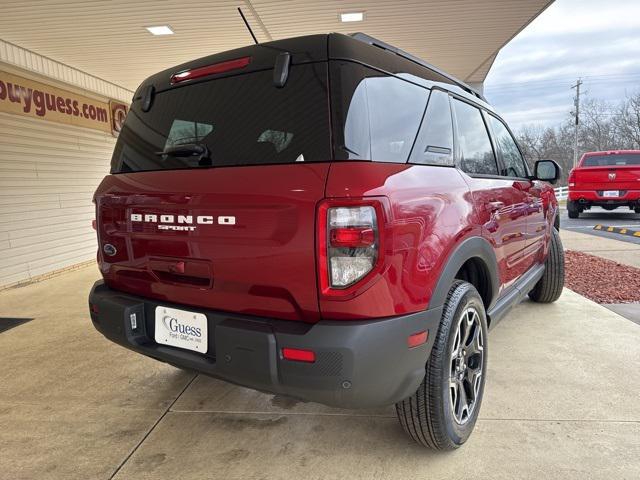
[{"x": 466, "y": 360}]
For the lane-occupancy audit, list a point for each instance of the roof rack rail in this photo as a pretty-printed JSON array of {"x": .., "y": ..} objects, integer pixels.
[{"x": 363, "y": 37}]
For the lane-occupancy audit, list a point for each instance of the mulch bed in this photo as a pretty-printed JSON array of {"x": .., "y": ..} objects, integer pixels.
[{"x": 601, "y": 280}]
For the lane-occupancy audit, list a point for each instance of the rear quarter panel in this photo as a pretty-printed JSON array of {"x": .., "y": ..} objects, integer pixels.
[{"x": 431, "y": 210}]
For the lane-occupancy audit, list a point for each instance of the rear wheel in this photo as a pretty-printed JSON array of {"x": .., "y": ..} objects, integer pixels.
[
  {"x": 549, "y": 287},
  {"x": 573, "y": 209},
  {"x": 444, "y": 409}
]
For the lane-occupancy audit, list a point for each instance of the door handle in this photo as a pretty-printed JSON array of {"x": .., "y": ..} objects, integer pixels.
[{"x": 522, "y": 185}]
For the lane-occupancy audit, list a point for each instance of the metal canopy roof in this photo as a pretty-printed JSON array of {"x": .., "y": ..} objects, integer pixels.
[{"x": 107, "y": 38}]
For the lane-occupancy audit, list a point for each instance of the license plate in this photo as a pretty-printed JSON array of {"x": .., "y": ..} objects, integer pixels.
[
  {"x": 610, "y": 193},
  {"x": 182, "y": 329}
]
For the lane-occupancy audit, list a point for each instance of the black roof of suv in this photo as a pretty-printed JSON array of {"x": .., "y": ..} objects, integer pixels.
[{"x": 357, "y": 47}]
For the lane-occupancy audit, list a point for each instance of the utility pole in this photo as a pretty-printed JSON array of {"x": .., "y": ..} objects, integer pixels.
[{"x": 577, "y": 114}]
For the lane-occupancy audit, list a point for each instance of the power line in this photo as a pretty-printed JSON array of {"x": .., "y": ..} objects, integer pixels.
[{"x": 559, "y": 81}]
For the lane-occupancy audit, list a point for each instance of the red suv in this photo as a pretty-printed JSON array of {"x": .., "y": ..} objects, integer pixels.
[
  {"x": 605, "y": 179},
  {"x": 324, "y": 217}
]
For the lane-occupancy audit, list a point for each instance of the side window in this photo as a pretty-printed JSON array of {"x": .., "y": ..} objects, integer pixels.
[
  {"x": 434, "y": 145},
  {"x": 375, "y": 116},
  {"x": 350, "y": 111},
  {"x": 395, "y": 110},
  {"x": 513, "y": 161},
  {"x": 477, "y": 155}
]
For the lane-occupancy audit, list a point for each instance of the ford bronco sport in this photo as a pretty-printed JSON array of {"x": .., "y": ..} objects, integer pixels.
[
  {"x": 328, "y": 218},
  {"x": 605, "y": 179}
]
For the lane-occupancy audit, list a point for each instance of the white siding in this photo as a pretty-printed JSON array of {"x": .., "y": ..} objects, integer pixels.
[{"x": 48, "y": 173}]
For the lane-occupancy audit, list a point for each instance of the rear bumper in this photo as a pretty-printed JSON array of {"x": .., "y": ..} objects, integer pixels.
[
  {"x": 597, "y": 198},
  {"x": 359, "y": 364}
]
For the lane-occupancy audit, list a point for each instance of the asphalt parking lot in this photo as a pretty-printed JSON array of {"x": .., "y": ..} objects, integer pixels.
[
  {"x": 561, "y": 402},
  {"x": 622, "y": 217}
]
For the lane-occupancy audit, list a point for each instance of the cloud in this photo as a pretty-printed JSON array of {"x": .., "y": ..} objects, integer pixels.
[
  {"x": 531, "y": 80},
  {"x": 585, "y": 17}
]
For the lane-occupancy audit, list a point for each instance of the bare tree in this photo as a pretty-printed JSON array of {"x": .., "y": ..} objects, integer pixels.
[
  {"x": 530, "y": 140},
  {"x": 628, "y": 121},
  {"x": 597, "y": 130},
  {"x": 603, "y": 126}
]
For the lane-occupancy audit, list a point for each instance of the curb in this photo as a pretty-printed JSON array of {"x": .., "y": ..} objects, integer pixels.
[{"x": 621, "y": 231}]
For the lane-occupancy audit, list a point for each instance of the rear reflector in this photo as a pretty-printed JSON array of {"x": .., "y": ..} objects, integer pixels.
[
  {"x": 417, "y": 339},
  {"x": 221, "y": 67},
  {"x": 298, "y": 355},
  {"x": 94, "y": 224}
]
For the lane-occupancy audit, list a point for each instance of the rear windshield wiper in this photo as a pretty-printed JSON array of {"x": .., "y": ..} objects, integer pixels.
[
  {"x": 197, "y": 150},
  {"x": 185, "y": 150}
]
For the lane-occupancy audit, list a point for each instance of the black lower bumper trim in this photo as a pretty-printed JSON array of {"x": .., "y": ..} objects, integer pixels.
[{"x": 359, "y": 364}]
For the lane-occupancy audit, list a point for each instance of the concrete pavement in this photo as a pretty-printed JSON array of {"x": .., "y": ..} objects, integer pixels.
[
  {"x": 621, "y": 217},
  {"x": 611, "y": 247},
  {"x": 561, "y": 402}
]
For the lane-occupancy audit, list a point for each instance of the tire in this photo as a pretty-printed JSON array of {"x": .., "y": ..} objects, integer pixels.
[
  {"x": 637, "y": 209},
  {"x": 549, "y": 287},
  {"x": 572, "y": 209},
  {"x": 428, "y": 416}
]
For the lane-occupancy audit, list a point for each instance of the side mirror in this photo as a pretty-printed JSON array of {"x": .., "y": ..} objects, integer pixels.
[{"x": 547, "y": 170}]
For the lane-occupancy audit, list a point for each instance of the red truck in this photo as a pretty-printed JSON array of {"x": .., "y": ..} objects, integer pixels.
[
  {"x": 324, "y": 217},
  {"x": 605, "y": 179}
]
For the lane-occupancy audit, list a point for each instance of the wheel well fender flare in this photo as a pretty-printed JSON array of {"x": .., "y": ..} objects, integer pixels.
[{"x": 470, "y": 248}]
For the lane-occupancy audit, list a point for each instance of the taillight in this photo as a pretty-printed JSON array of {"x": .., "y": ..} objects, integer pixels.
[
  {"x": 352, "y": 249},
  {"x": 350, "y": 245},
  {"x": 221, "y": 67},
  {"x": 572, "y": 178}
]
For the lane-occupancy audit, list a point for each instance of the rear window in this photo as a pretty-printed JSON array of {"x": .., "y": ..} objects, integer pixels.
[
  {"x": 611, "y": 160},
  {"x": 239, "y": 120}
]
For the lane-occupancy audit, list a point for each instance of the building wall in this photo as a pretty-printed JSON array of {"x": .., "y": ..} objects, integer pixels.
[{"x": 48, "y": 173}]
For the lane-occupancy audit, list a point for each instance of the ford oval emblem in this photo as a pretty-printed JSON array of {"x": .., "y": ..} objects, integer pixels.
[{"x": 109, "y": 249}]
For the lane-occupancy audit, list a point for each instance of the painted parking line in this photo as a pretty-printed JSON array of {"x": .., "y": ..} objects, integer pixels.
[
  {"x": 592, "y": 227},
  {"x": 621, "y": 230}
]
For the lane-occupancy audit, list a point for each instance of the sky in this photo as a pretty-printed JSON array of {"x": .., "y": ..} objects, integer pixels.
[{"x": 530, "y": 81}]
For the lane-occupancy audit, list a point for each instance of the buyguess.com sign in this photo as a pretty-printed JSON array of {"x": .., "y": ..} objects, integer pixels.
[{"x": 23, "y": 96}]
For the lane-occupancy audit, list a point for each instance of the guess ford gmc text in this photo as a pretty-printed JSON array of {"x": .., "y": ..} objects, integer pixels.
[{"x": 325, "y": 217}]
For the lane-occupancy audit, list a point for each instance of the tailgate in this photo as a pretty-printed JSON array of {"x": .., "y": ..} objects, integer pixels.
[
  {"x": 237, "y": 239},
  {"x": 608, "y": 178}
]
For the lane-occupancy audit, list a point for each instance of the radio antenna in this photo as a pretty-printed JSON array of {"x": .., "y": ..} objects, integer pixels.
[{"x": 244, "y": 19}]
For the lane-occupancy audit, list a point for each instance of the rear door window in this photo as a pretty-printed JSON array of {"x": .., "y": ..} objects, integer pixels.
[
  {"x": 511, "y": 157},
  {"x": 241, "y": 120},
  {"x": 476, "y": 152},
  {"x": 376, "y": 116},
  {"x": 434, "y": 145}
]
